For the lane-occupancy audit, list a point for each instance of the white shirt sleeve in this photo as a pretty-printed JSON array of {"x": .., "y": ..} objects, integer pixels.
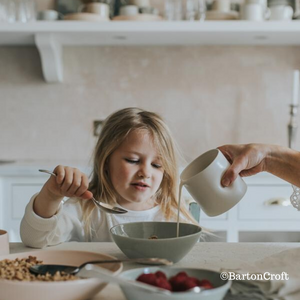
[{"x": 65, "y": 225}]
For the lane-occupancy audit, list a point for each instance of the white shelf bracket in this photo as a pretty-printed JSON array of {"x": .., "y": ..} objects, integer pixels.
[{"x": 50, "y": 51}]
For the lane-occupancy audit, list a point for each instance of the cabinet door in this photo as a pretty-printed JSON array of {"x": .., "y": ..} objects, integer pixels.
[
  {"x": 17, "y": 193},
  {"x": 267, "y": 202}
]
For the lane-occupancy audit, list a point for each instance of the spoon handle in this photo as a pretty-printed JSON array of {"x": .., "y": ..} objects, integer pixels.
[
  {"x": 145, "y": 261},
  {"x": 48, "y": 172},
  {"x": 92, "y": 271}
]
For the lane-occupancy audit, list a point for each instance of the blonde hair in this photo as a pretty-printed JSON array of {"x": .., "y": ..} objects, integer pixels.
[{"x": 115, "y": 130}]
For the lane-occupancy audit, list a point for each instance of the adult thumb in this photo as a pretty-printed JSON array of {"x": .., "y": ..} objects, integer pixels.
[{"x": 229, "y": 176}]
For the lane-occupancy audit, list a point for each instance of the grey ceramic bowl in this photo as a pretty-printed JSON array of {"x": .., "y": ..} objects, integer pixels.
[
  {"x": 217, "y": 293},
  {"x": 133, "y": 239}
]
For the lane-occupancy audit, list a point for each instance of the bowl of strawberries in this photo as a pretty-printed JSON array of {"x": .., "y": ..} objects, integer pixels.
[{"x": 181, "y": 282}]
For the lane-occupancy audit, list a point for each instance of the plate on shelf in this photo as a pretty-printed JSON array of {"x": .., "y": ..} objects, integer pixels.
[
  {"x": 220, "y": 15},
  {"x": 139, "y": 17},
  {"x": 85, "y": 17}
]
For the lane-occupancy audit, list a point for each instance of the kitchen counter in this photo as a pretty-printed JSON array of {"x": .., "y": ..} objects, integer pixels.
[{"x": 204, "y": 255}]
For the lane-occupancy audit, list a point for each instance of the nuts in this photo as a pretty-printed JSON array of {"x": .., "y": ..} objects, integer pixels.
[
  {"x": 18, "y": 270},
  {"x": 153, "y": 237}
]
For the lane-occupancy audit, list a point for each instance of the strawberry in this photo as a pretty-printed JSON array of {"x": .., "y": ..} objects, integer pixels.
[
  {"x": 196, "y": 280},
  {"x": 147, "y": 278},
  {"x": 205, "y": 284},
  {"x": 160, "y": 274},
  {"x": 163, "y": 283},
  {"x": 182, "y": 274},
  {"x": 189, "y": 283},
  {"x": 177, "y": 282}
]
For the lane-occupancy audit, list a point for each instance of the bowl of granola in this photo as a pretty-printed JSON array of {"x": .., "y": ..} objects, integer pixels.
[{"x": 16, "y": 281}]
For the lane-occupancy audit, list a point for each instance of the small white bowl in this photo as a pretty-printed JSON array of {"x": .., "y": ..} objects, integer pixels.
[{"x": 217, "y": 293}]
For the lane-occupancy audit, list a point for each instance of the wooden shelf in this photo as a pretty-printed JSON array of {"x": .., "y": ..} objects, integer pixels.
[{"x": 50, "y": 37}]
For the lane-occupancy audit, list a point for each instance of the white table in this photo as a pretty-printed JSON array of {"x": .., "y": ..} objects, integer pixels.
[{"x": 204, "y": 255}]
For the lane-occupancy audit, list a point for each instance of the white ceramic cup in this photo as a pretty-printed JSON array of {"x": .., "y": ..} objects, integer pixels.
[
  {"x": 129, "y": 10},
  {"x": 221, "y": 5},
  {"x": 101, "y": 9},
  {"x": 263, "y": 3},
  {"x": 202, "y": 178},
  {"x": 4, "y": 243},
  {"x": 48, "y": 15},
  {"x": 254, "y": 12},
  {"x": 281, "y": 12}
]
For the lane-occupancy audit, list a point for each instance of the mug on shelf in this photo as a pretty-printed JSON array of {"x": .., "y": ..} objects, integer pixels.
[
  {"x": 281, "y": 12},
  {"x": 252, "y": 11},
  {"x": 263, "y": 3},
  {"x": 202, "y": 178},
  {"x": 173, "y": 10},
  {"x": 195, "y": 10},
  {"x": 4, "y": 243},
  {"x": 49, "y": 15},
  {"x": 101, "y": 9},
  {"x": 129, "y": 10},
  {"x": 221, "y": 5}
]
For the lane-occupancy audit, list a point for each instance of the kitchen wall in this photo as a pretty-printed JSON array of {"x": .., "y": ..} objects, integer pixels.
[{"x": 208, "y": 95}]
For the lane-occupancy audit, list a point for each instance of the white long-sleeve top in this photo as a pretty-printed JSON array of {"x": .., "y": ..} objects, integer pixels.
[{"x": 66, "y": 225}]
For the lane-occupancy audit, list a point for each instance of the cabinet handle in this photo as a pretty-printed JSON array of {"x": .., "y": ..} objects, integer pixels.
[{"x": 278, "y": 202}]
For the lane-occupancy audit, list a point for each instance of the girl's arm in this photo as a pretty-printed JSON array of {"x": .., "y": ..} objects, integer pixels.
[
  {"x": 65, "y": 225},
  {"x": 69, "y": 182},
  {"x": 251, "y": 159}
]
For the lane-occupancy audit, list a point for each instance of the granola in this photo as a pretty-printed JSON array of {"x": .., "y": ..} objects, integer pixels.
[{"x": 18, "y": 270}]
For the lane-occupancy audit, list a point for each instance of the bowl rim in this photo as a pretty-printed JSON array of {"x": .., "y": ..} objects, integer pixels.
[
  {"x": 227, "y": 281},
  {"x": 156, "y": 240}
]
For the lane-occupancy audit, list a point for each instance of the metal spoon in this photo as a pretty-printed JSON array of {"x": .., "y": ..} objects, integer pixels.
[
  {"x": 91, "y": 271},
  {"x": 52, "y": 269},
  {"x": 103, "y": 206}
]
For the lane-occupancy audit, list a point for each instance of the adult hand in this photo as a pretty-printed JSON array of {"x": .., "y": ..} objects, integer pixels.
[{"x": 246, "y": 160}]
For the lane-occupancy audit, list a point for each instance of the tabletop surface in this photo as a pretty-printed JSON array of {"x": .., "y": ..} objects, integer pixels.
[{"x": 213, "y": 256}]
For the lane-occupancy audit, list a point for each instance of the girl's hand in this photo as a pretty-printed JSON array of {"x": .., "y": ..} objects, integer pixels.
[{"x": 69, "y": 182}]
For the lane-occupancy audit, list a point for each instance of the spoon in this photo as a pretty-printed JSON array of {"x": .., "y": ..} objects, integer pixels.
[
  {"x": 52, "y": 269},
  {"x": 91, "y": 271},
  {"x": 103, "y": 206}
]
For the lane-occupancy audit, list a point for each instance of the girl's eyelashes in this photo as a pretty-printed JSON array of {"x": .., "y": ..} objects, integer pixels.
[
  {"x": 131, "y": 161},
  {"x": 135, "y": 161},
  {"x": 157, "y": 166}
]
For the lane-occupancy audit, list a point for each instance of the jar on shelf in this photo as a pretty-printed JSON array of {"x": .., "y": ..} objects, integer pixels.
[{"x": 17, "y": 11}]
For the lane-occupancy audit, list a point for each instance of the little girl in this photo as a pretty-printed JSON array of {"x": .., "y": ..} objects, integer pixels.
[{"x": 135, "y": 167}]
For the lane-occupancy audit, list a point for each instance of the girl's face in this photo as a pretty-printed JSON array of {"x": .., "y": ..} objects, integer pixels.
[{"x": 135, "y": 171}]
